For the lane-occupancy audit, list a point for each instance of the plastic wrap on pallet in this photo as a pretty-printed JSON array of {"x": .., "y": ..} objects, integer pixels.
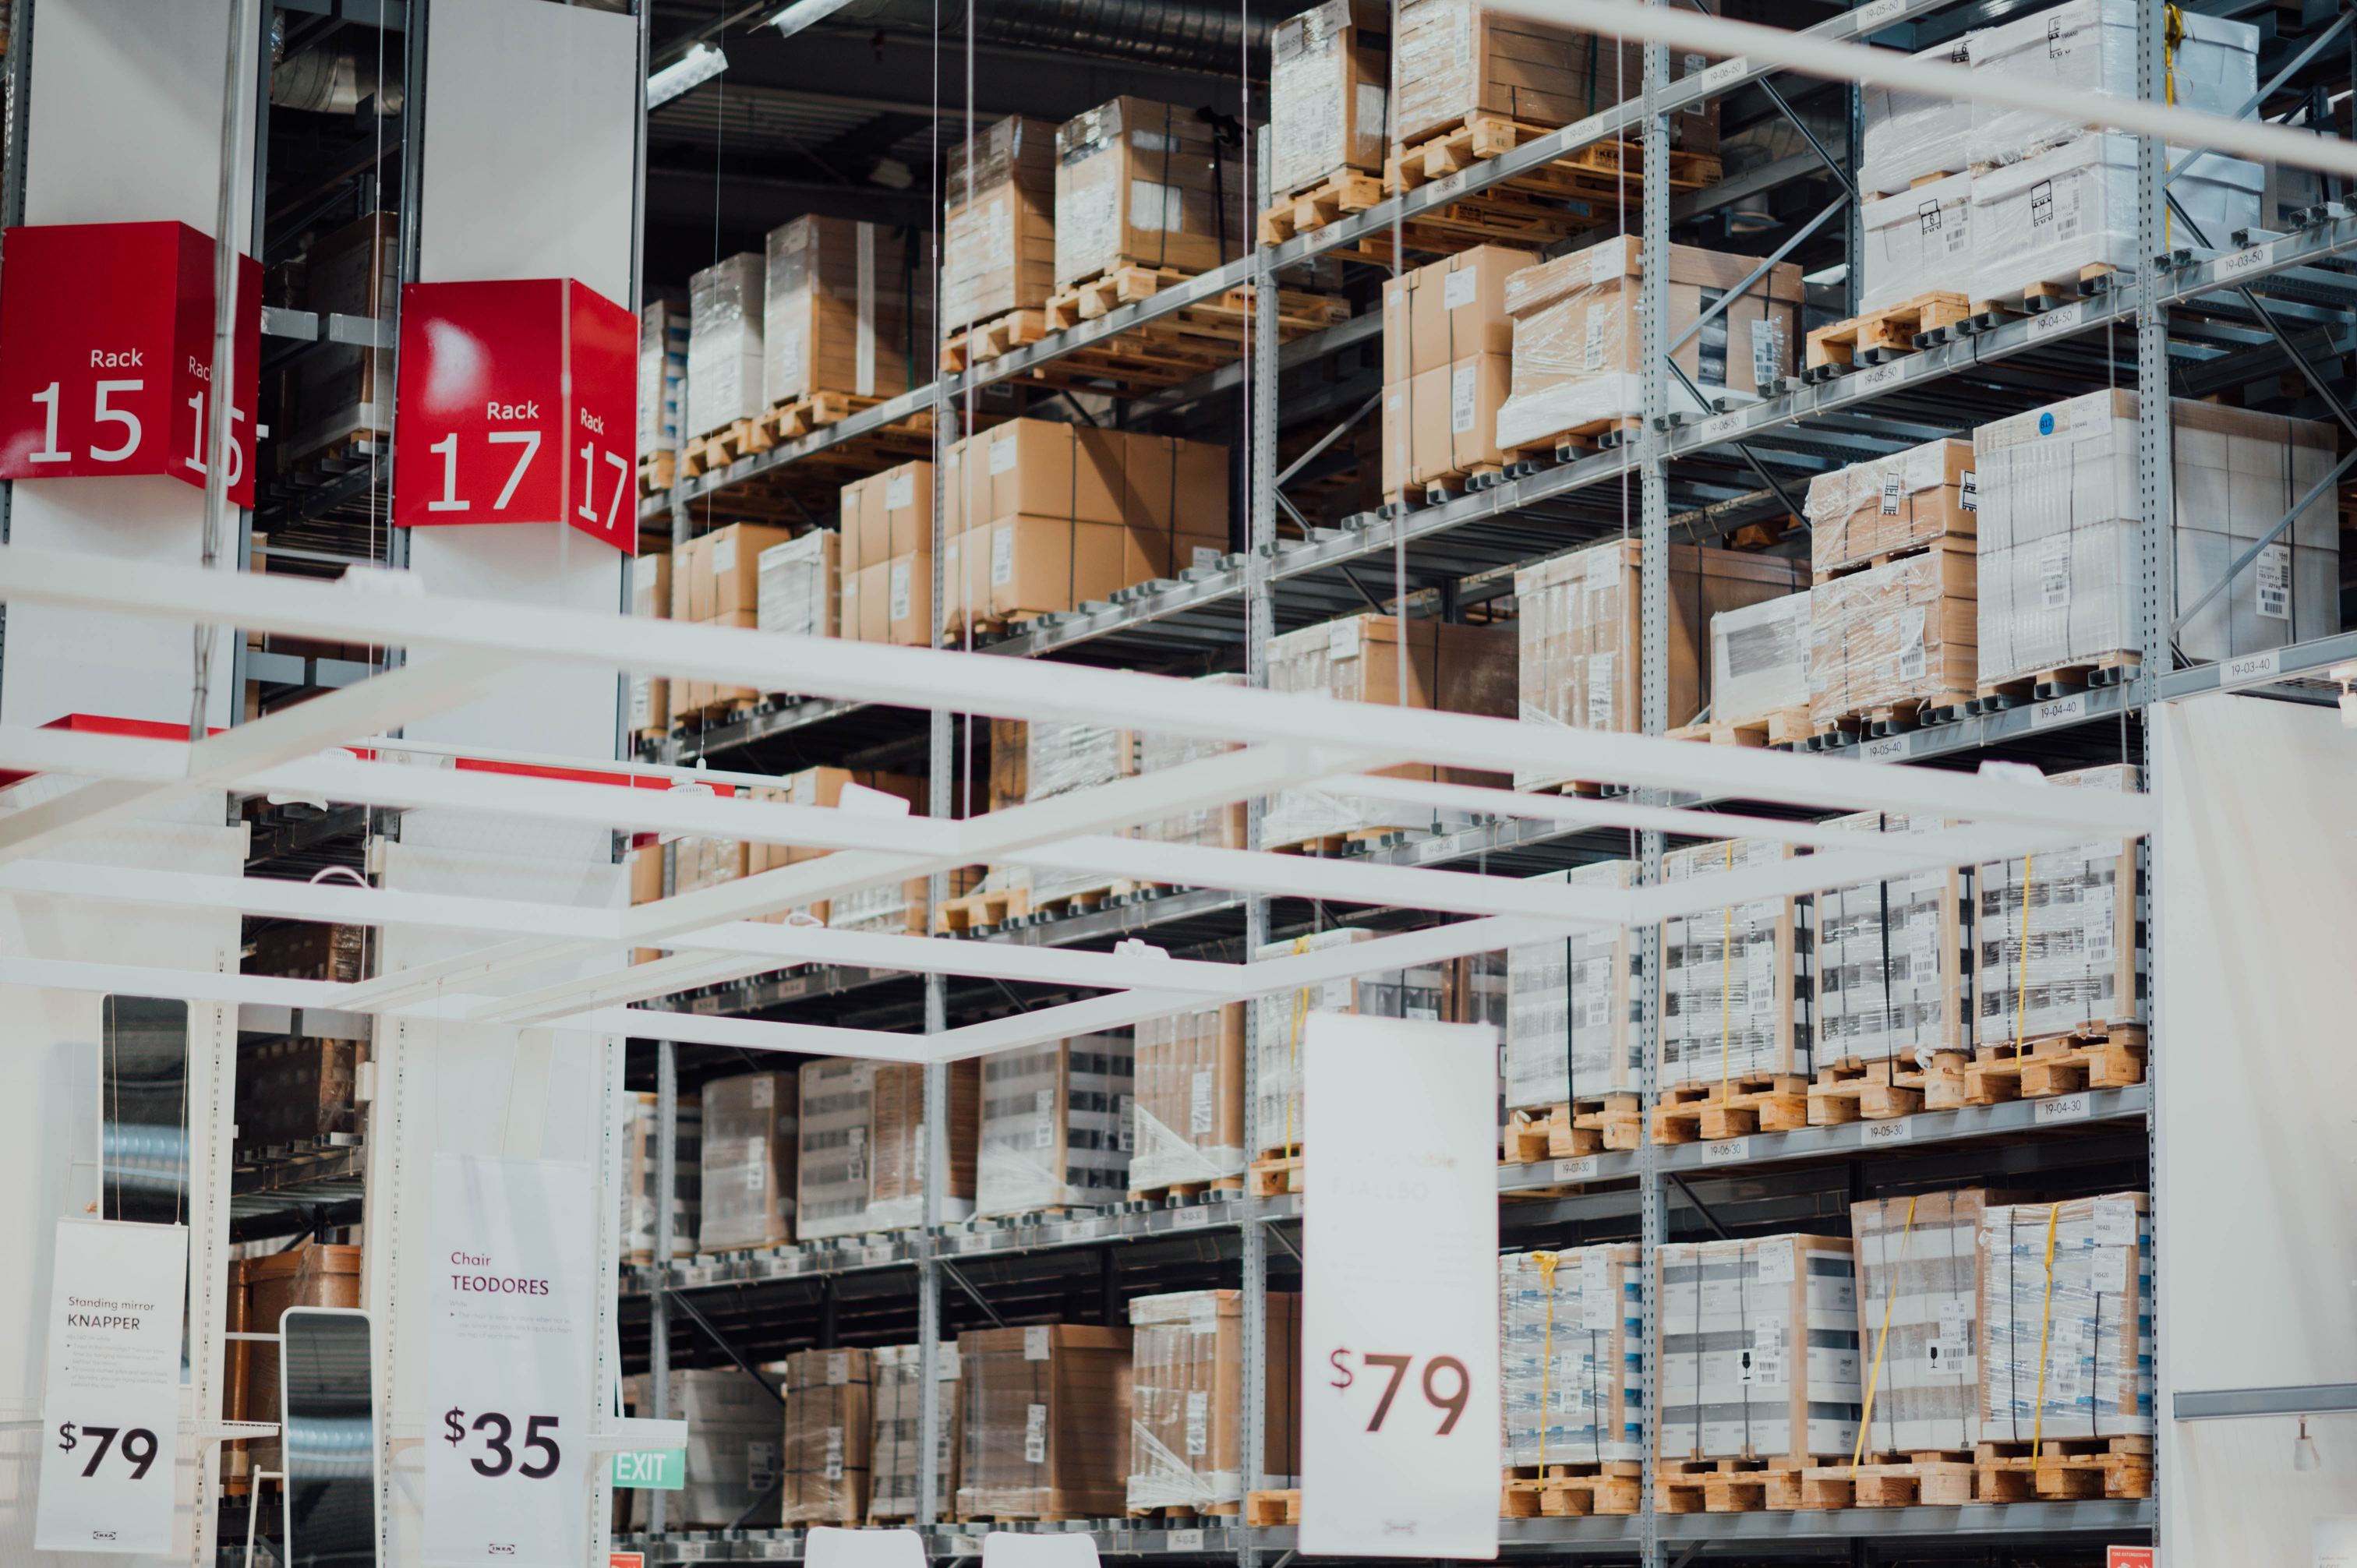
[
  {"x": 1917, "y": 241},
  {"x": 1461, "y": 58},
  {"x": 1910, "y": 135},
  {"x": 1918, "y": 1305},
  {"x": 724, "y": 344},
  {"x": 897, "y": 1143},
  {"x": 1217, "y": 827},
  {"x": 1044, "y": 1422},
  {"x": 1891, "y": 959},
  {"x": 1186, "y": 1430},
  {"x": 1278, "y": 1023},
  {"x": 2058, "y": 523},
  {"x": 997, "y": 233},
  {"x": 1325, "y": 98},
  {"x": 2086, "y": 50},
  {"x": 1571, "y": 1355},
  {"x": 2045, "y": 219},
  {"x": 733, "y": 1457},
  {"x": 1140, "y": 182},
  {"x": 2060, "y": 934},
  {"x": 1735, "y": 991},
  {"x": 899, "y": 1405},
  {"x": 650, "y": 596},
  {"x": 747, "y": 1160},
  {"x": 880, "y": 906},
  {"x": 1562, "y": 1048},
  {"x": 1887, "y": 504},
  {"x": 829, "y": 1424},
  {"x": 800, "y": 586},
  {"x": 1056, "y": 1125},
  {"x": 642, "y": 1195},
  {"x": 1899, "y": 633},
  {"x": 1061, "y": 758},
  {"x": 1759, "y": 659},
  {"x": 1758, "y": 1355},
  {"x": 837, "y": 309},
  {"x": 832, "y": 1154},
  {"x": 662, "y": 376},
  {"x": 2066, "y": 1309},
  {"x": 1190, "y": 1105}
]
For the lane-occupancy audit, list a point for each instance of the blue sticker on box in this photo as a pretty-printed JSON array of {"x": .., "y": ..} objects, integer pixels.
[{"x": 2046, "y": 425}]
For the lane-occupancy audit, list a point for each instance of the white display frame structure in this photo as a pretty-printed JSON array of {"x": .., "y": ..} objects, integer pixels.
[{"x": 1283, "y": 741}]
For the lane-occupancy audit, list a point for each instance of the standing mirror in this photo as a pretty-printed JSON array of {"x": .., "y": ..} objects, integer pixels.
[{"x": 327, "y": 1411}]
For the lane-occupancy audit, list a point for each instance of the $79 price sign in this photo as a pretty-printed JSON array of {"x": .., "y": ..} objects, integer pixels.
[
  {"x": 138, "y": 1448},
  {"x": 1440, "y": 1373},
  {"x": 498, "y": 1457}
]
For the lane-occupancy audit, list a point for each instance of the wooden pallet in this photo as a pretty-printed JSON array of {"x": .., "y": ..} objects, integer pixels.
[
  {"x": 1885, "y": 719},
  {"x": 1748, "y": 1102},
  {"x": 1879, "y": 1090},
  {"x": 1928, "y": 1479},
  {"x": 807, "y": 416},
  {"x": 1274, "y": 1174},
  {"x": 1332, "y": 845},
  {"x": 723, "y": 711},
  {"x": 1877, "y": 335},
  {"x": 722, "y": 448},
  {"x": 991, "y": 340},
  {"x": 1570, "y": 445},
  {"x": 1092, "y": 298},
  {"x": 1575, "y": 1128},
  {"x": 656, "y": 471},
  {"x": 1264, "y": 1509},
  {"x": 2064, "y": 1469},
  {"x": 1174, "y": 1512},
  {"x": 2047, "y": 293},
  {"x": 1573, "y": 1490},
  {"x": 1077, "y": 901},
  {"x": 1785, "y": 727},
  {"x": 2099, "y": 1057},
  {"x": 1329, "y": 202},
  {"x": 1179, "y": 1194},
  {"x": 1582, "y": 190},
  {"x": 981, "y": 911},
  {"x": 1731, "y": 1486},
  {"x": 2044, "y": 685}
]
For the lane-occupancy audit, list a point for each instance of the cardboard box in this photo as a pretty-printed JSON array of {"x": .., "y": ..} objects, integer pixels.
[
  {"x": 730, "y": 569},
  {"x": 1439, "y": 314},
  {"x": 1440, "y": 425},
  {"x": 843, "y": 310},
  {"x": 1459, "y": 58},
  {"x": 1056, "y": 1125},
  {"x": 642, "y": 1195},
  {"x": 797, "y": 586},
  {"x": 724, "y": 345},
  {"x": 896, "y": 1193},
  {"x": 1329, "y": 73},
  {"x": 2086, "y": 50},
  {"x": 2075, "y": 206},
  {"x": 1903, "y": 501},
  {"x": 831, "y": 1159},
  {"x": 1143, "y": 182},
  {"x": 1044, "y": 1429},
  {"x": 1215, "y": 827},
  {"x": 1919, "y": 1306},
  {"x": 998, "y": 246},
  {"x": 1893, "y": 961},
  {"x": 1190, "y": 1099},
  {"x": 1757, "y": 1352},
  {"x": 1576, "y": 1045},
  {"x": 1736, "y": 998},
  {"x": 662, "y": 376},
  {"x": 1893, "y": 635},
  {"x": 1760, "y": 659},
  {"x": 2060, "y": 940},
  {"x": 747, "y": 1159},
  {"x": 1917, "y": 241},
  {"x": 887, "y": 514},
  {"x": 830, "y": 1426},
  {"x": 2065, "y": 1319},
  {"x": 734, "y": 1464},
  {"x": 1187, "y": 1378},
  {"x": 908, "y": 582},
  {"x": 1278, "y": 1022},
  {"x": 1570, "y": 1332},
  {"x": 893, "y": 1453}
]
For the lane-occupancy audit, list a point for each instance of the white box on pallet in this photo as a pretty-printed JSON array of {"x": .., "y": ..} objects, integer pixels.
[
  {"x": 736, "y": 1447},
  {"x": 1571, "y": 1355},
  {"x": 1577, "y": 1046},
  {"x": 1917, "y": 241},
  {"x": 2066, "y": 1300},
  {"x": 2086, "y": 50},
  {"x": 2074, "y": 206},
  {"x": 2059, "y": 934},
  {"x": 1918, "y": 1304},
  {"x": 1736, "y": 989},
  {"x": 662, "y": 376},
  {"x": 1056, "y": 1125},
  {"x": 724, "y": 344},
  {"x": 1910, "y": 135},
  {"x": 1759, "y": 659},
  {"x": 833, "y": 1159},
  {"x": 1893, "y": 960},
  {"x": 1759, "y": 1354}
]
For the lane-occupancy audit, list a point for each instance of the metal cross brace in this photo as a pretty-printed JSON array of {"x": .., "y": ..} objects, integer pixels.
[
  {"x": 695, "y": 1316},
  {"x": 958, "y": 1279}
]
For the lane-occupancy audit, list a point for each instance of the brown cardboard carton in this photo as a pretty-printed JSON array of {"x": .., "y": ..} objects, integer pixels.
[
  {"x": 899, "y": 1407},
  {"x": 1035, "y": 466},
  {"x": 1452, "y": 415},
  {"x": 1186, "y": 1451},
  {"x": 1899, "y": 503},
  {"x": 1438, "y": 315},
  {"x": 1169, "y": 484},
  {"x": 843, "y": 310},
  {"x": 733, "y": 559},
  {"x": 1044, "y": 1431},
  {"x": 1189, "y": 1110},
  {"x": 690, "y": 564},
  {"x": 897, "y": 1191},
  {"x": 748, "y": 1161},
  {"x": 1142, "y": 182},
  {"x": 908, "y": 600},
  {"x": 998, "y": 247},
  {"x": 1329, "y": 74},
  {"x": 1459, "y": 58},
  {"x": 1024, "y": 564},
  {"x": 829, "y": 1426},
  {"x": 889, "y": 514}
]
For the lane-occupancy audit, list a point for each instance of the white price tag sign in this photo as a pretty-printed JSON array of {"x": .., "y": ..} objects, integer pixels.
[
  {"x": 1875, "y": 378},
  {"x": 109, "y": 1436},
  {"x": 2062, "y": 1108},
  {"x": 1193, "y": 1217},
  {"x": 2247, "y": 261},
  {"x": 2251, "y": 667},
  {"x": 1897, "y": 1130},
  {"x": 1876, "y": 13},
  {"x": 1890, "y": 748},
  {"x": 509, "y": 1366},
  {"x": 1727, "y": 1151},
  {"x": 1185, "y": 1541},
  {"x": 1584, "y": 1168},
  {"x": 1399, "y": 1425},
  {"x": 2067, "y": 710},
  {"x": 1718, "y": 427},
  {"x": 2055, "y": 323}
]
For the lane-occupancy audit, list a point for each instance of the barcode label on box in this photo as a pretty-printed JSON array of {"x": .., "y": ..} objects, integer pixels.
[
  {"x": 1968, "y": 491},
  {"x": 901, "y": 490},
  {"x": 2275, "y": 582},
  {"x": 1035, "y": 1346},
  {"x": 1460, "y": 288},
  {"x": 1463, "y": 388},
  {"x": 1035, "y": 1435}
]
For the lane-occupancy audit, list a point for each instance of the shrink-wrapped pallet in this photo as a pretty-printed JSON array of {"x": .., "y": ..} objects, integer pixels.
[
  {"x": 650, "y": 596},
  {"x": 734, "y": 1455},
  {"x": 1571, "y": 1355},
  {"x": 898, "y": 1142},
  {"x": 832, "y": 1157},
  {"x": 1886, "y": 505},
  {"x": 1577, "y": 341},
  {"x": 1760, "y": 659},
  {"x": 1895, "y": 636},
  {"x": 800, "y": 584},
  {"x": 1063, "y": 758},
  {"x": 641, "y": 1191},
  {"x": 1044, "y": 1423},
  {"x": 2058, "y": 936},
  {"x": 2075, "y": 206},
  {"x": 1918, "y": 1304},
  {"x": 1213, "y": 827},
  {"x": 1915, "y": 242},
  {"x": 1736, "y": 989},
  {"x": 1563, "y": 1047},
  {"x": 662, "y": 376},
  {"x": 2086, "y": 50},
  {"x": 1056, "y": 1125},
  {"x": 1759, "y": 1352},
  {"x": 1461, "y": 58},
  {"x": 1893, "y": 960},
  {"x": 1145, "y": 184},
  {"x": 1911, "y": 134},
  {"x": 2066, "y": 1308},
  {"x": 1329, "y": 73},
  {"x": 724, "y": 345},
  {"x": 998, "y": 244},
  {"x": 1186, "y": 1422},
  {"x": 747, "y": 1160},
  {"x": 899, "y": 1405},
  {"x": 843, "y": 310},
  {"x": 1279, "y": 1023},
  {"x": 829, "y": 1423},
  {"x": 1190, "y": 1104}
]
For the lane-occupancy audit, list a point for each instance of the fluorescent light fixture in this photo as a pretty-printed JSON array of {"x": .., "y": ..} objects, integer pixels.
[
  {"x": 803, "y": 14},
  {"x": 699, "y": 65}
]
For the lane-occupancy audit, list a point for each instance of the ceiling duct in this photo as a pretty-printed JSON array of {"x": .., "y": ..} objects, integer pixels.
[
  {"x": 1177, "y": 35},
  {"x": 331, "y": 82}
]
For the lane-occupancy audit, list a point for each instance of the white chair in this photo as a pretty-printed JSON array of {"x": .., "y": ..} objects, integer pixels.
[{"x": 830, "y": 1548}]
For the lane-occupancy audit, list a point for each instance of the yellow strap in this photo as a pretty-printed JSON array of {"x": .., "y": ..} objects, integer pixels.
[
  {"x": 1882, "y": 1341},
  {"x": 2021, "y": 968},
  {"x": 1726, "y": 978},
  {"x": 1546, "y": 1262},
  {"x": 1293, "y": 1046},
  {"x": 2172, "y": 35},
  {"x": 2045, "y": 1321}
]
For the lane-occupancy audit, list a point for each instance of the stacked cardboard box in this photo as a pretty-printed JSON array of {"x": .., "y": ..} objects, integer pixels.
[
  {"x": 1061, "y": 759},
  {"x": 2065, "y": 1316},
  {"x": 1047, "y": 516},
  {"x": 1575, "y": 338},
  {"x": 1918, "y": 1317},
  {"x": 897, "y": 1196},
  {"x": 708, "y": 863},
  {"x": 733, "y": 1451},
  {"x": 299, "y": 1090},
  {"x": 1461, "y": 58},
  {"x": 663, "y": 376},
  {"x": 1329, "y": 71},
  {"x": 724, "y": 344},
  {"x": 1917, "y": 242},
  {"x": 1044, "y": 1423},
  {"x": 886, "y": 557},
  {"x": 2060, "y": 936},
  {"x": 1894, "y": 979},
  {"x": 337, "y": 391},
  {"x": 1576, "y": 1044},
  {"x": 2076, "y": 206},
  {"x": 1760, "y": 659},
  {"x": 1189, "y": 1106},
  {"x": 1737, "y": 994},
  {"x": 998, "y": 245},
  {"x": 1213, "y": 827},
  {"x": 861, "y": 1141},
  {"x": 1579, "y": 631},
  {"x": 1889, "y": 505},
  {"x": 1451, "y": 667},
  {"x": 1278, "y": 1023},
  {"x": 2086, "y": 50},
  {"x": 1448, "y": 346},
  {"x": 842, "y": 311},
  {"x": 893, "y": 1452},
  {"x": 2058, "y": 499},
  {"x": 830, "y": 1152},
  {"x": 310, "y": 1274},
  {"x": 829, "y": 1424},
  {"x": 797, "y": 586},
  {"x": 650, "y": 597},
  {"x": 1145, "y": 183},
  {"x": 1056, "y": 1125},
  {"x": 1758, "y": 1353},
  {"x": 825, "y": 788},
  {"x": 715, "y": 580},
  {"x": 299, "y": 949},
  {"x": 1186, "y": 1374},
  {"x": 747, "y": 1159},
  {"x": 1893, "y": 635},
  {"x": 642, "y": 1195},
  {"x": 1571, "y": 1355}
]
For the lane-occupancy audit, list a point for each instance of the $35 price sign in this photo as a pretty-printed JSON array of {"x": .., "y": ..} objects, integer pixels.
[
  {"x": 1444, "y": 1383},
  {"x": 498, "y": 1431}
]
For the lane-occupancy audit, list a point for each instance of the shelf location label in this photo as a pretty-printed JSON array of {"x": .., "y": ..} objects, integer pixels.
[{"x": 1399, "y": 1335}]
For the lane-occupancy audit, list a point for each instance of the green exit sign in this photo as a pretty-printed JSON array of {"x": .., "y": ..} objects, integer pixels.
[{"x": 652, "y": 1469}]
